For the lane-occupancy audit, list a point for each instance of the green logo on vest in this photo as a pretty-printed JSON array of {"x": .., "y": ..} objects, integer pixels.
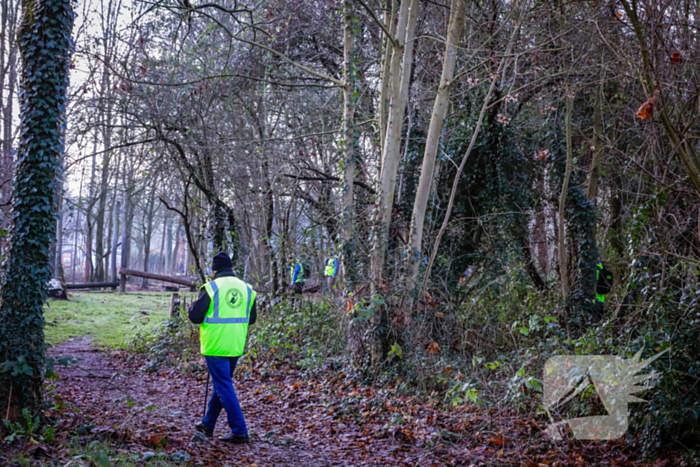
[{"x": 233, "y": 296}]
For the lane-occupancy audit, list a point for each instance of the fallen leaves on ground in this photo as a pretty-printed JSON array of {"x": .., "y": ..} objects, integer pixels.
[{"x": 294, "y": 419}]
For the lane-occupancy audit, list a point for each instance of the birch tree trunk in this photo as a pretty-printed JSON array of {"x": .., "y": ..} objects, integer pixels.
[
  {"x": 400, "y": 72},
  {"x": 384, "y": 96},
  {"x": 454, "y": 32}
]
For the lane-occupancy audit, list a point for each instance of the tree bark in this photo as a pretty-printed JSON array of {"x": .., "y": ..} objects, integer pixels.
[
  {"x": 563, "y": 262},
  {"x": 126, "y": 241},
  {"x": 44, "y": 39},
  {"x": 349, "y": 142},
  {"x": 454, "y": 32},
  {"x": 384, "y": 95},
  {"x": 167, "y": 237},
  {"x": 597, "y": 147},
  {"x": 401, "y": 63},
  {"x": 176, "y": 248},
  {"x": 58, "y": 252},
  {"x": 148, "y": 214},
  {"x": 115, "y": 240}
]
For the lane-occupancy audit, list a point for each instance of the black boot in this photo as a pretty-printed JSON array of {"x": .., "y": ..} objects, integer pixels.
[
  {"x": 199, "y": 427},
  {"x": 235, "y": 439}
]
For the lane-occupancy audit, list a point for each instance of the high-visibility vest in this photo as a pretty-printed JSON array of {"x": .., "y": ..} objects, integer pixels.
[
  {"x": 600, "y": 298},
  {"x": 225, "y": 328},
  {"x": 331, "y": 265},
  {"x": 300, "y": 276}
]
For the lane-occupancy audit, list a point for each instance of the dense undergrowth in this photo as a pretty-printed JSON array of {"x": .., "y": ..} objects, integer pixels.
[{"x": 485, "y": 346}]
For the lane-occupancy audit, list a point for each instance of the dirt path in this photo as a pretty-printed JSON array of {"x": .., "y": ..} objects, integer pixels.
[{"x": 293, "y": 421}]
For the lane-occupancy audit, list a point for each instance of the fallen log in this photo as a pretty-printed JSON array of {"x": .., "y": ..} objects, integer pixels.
[
  {"x": 92, "y": 285},
  {"x": 157, "y": 277}
]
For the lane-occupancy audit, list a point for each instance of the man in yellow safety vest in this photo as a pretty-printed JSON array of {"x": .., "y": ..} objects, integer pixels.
[
  {"x": 296, "y": 275},
  {"x": 331, "y": 272},
  {"x": 225, "y": 308}
]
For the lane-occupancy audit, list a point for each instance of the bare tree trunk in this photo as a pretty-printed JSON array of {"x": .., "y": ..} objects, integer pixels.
[
  {"x": 167, "y": 233},
  {"x": 176, "y": 249},
  {"x": 8, "y": 74},
  {"x": 597, "y": 147},
  {"x": 148, "y": 232},
  {"x": 350, "y": 141},
  {"x": 8, "y": 71},
  {"x": 563, "y": 262},
  {"x": 3, "y": 33},
  {"x": 58, "y": 258},
  {"x": 384, "y": 96},
  {"x": 454, "y": 32},
  {"x": 104, "y": 184},
  {"x": 126, "y": 239},
  {"x": 88, "y": 214},
  {"x": 616, "y": 194},
  {"x": 74, "y": 255},
  {"x": 540, "y": 228},
  {"x": 401, "y": 63},
  {"x": 115, "y": 240}
]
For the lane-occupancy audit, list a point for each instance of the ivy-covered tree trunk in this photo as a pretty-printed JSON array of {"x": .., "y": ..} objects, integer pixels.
[{"x": 45, "y": 45}]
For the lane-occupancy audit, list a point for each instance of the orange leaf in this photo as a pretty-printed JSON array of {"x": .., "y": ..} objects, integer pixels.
[
  {"x": 432, "y": 303},
  {"x": 676, "y": 57},
  {"x": 618, "y": 14},
  {"x": 440, "y": 315},
  {"x": 433, "y": 348},
  {"x": 647, "y": 108},
  {"x": 349, "y": 306},
  {"x": 542, "y": 154}
]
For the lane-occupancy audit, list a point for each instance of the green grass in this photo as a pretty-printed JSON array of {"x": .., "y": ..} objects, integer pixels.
[{"x": 106, "y": 317}]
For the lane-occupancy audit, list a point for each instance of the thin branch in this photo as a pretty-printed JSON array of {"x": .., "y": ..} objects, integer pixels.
[
  {"x": 330, "y": 178},
  {"x": 387, "y": 33}
]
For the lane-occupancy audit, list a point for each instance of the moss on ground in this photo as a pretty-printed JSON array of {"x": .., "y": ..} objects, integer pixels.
[{"x": 106, "y": 317}]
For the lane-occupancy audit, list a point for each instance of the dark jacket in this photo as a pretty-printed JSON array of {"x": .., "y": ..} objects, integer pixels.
[{"x": 199, "y": 308}]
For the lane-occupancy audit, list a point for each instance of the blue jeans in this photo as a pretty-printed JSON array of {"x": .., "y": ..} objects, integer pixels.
[{"x": 223, "y": 395}]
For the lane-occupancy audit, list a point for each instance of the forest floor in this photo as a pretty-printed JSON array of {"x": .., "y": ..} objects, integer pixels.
[
  {"x": 110, "y": 408},
  {"x": 323, "y": 421}
]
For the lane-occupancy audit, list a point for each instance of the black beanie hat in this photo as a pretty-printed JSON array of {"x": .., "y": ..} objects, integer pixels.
[{"x": 221, "y": 262}]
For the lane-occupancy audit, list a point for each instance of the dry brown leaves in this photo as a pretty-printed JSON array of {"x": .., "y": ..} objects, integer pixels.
[
  {"x": 647, "y": 108},
  {"x": 295, "y": 420}
]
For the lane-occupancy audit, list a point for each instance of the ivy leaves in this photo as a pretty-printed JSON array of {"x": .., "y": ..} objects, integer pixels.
[{"x": 45, "y": 45}]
